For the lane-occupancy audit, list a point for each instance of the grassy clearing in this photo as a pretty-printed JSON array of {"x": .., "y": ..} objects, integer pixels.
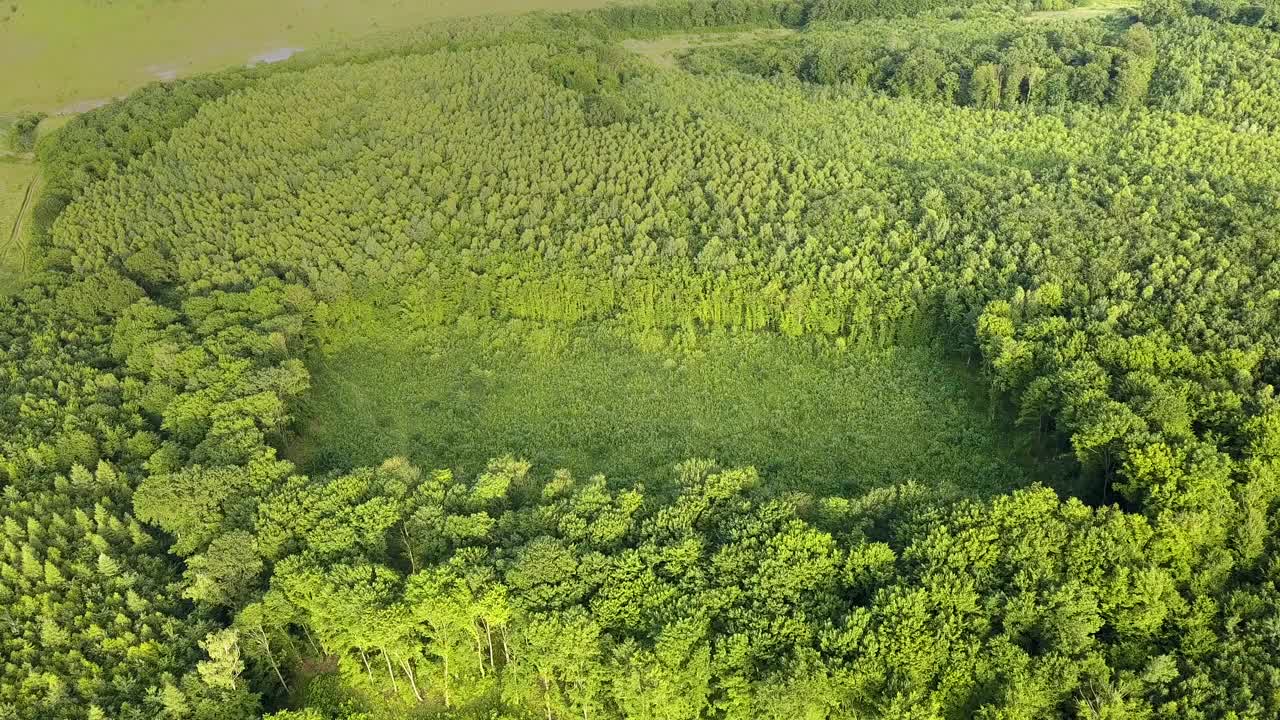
[
  {"x": 594, "y": 402},
  {"x": 16, "y": 189},
  {"x": 53, "y": 123},
  {"x": 64, "y": 55},
  {"x": 665, "y": 51},
  {"x": 1088, "y": 11}
]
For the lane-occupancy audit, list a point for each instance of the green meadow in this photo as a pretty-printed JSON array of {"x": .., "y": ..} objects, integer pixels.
[
  {"x": 15, "y": 177},
  {"x": 805, "y": 415}
]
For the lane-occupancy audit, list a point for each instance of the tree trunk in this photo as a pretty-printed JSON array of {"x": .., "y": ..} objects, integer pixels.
[
  {"x": 408, "y": 547},
  {"x": 307, "y": 632},
  {"x": 390, "y": 672},
  {"x": 443, "y": 652},
  {"x": 368, "y": 669},
  {"x": 475, "y": 637},
  {"x": 488, "y": 634},
  {"x": 271, "y": 658},
  {"x": 288, "y": 638},
  {"x": 546, "y": 695},
  {"x": 413, "y": 683},
  {"x": 445, "y": 656}
]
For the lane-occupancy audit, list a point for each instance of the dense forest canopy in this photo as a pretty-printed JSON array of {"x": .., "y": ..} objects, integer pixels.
[{"x": 916, "y": 360}]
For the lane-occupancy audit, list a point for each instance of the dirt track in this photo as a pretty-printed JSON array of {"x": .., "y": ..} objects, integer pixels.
[{"x": 14, "y": 241}]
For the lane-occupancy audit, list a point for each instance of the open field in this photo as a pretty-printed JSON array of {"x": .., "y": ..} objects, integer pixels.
[
  {"x": 67, "y": 55},
  {"x": 19, "y": 186},
  {"x": 16, "y": 190},
  {"x": 664, "y": 51},
  {"x": 1088, "y": 11},
  {"x": 825, "y": 421}
]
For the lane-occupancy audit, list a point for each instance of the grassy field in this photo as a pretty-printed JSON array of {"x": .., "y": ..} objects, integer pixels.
[
  {"x": 1087, "y": 11},
  {"x": 834, "y": 422},
  {"x": 66, "y": 55},
  {"x": 665, "y": 51},
  {"x": 15, "y": 178}
]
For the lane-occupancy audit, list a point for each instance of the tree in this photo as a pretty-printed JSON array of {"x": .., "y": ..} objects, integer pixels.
[
  {"x": 226, "y": 572},
  {"x": 984, "y": 86},
  {"x": 22, "y": 133},
  {"x": 224, "y": 666},
  {"x": 1132, "y": 78},
  {"x": 1163, "y": 11},
  {"x": 263, "y": 626},
  {"x": 1091, "y": 82}
]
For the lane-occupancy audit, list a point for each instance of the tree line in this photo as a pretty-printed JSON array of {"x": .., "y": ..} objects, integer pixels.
[{"x": 985, "y": 60}]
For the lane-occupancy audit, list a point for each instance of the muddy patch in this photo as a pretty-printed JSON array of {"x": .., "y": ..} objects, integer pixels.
[
  {"x": 163, "y": 73},
  {"x": 170, "y": 72},
  {"x": 82, "y": 106},
  {"x": 279, "y": 54}
]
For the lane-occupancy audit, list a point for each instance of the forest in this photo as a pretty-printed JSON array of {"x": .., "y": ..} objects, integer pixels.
[{"x": 915, "y": 359}]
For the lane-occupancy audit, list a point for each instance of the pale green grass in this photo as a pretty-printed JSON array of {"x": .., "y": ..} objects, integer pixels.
[
  {"x": 15, "y": 177},
  {"x": 19, "y": 186},
  {"x": 1088, "y": 11},
  {"x": 665, "y": 51},
  {"x": 65, "y": 55},
  {"x": 594, "y": 402},
  {"x": 52, "y": 124}
]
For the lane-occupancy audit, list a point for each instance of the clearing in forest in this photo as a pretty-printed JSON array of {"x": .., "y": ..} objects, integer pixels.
[
  {"x": 1088, "y": 11},
  {"x": 840, "y": 422},
  {"x": 17, "y": 192},
  {"x": 665, "y": 51}
]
